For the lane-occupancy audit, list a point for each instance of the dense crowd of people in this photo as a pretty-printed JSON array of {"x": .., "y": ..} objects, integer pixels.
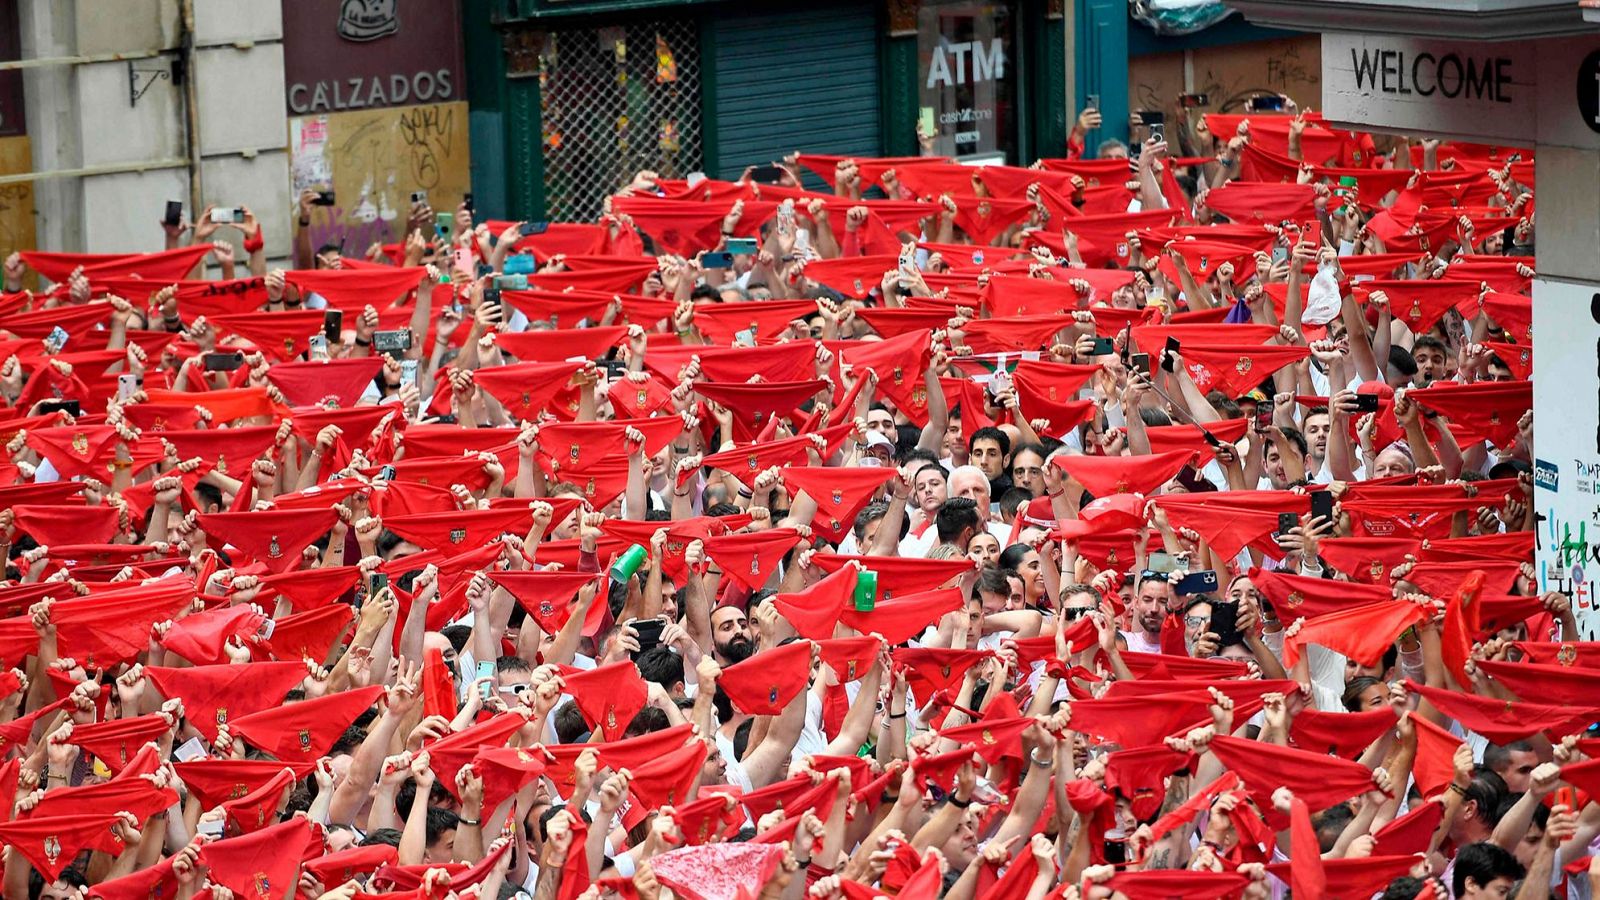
[{"x": 1129, "y": 525}]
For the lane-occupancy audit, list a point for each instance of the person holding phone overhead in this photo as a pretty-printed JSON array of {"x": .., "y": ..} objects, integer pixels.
[{"x": 1083, "y": 521}]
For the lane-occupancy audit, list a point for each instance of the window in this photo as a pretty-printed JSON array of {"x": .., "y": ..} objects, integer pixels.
[{"x": 967, "y": 66}]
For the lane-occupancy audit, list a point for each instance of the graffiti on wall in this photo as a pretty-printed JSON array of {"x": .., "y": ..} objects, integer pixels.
[
  {"x": 375, "y": 160},
  {"x": 1230, "y": 75},
  {"x": 16, "y": 200}
]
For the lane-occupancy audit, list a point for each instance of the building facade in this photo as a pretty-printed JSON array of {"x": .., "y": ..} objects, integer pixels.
[
  {"x": 1519, "y": 77},
  {"x": 109, "y": 109},
  {"x": 571, "y": 97}
]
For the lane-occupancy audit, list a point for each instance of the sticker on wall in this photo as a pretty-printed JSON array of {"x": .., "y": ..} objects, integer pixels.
[
  {"x": 667, "y": 136},
  {"x": 666, "y": 65},
  {"x": 616, "y": 38}
]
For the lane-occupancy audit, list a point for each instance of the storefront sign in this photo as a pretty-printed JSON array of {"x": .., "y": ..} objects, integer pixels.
[
  {"x": 1469, "y": 89},
  {"x": 1566, "y": 496},
  {"x": 967, "y": 72},
  {"x": 365, "y": 54}
]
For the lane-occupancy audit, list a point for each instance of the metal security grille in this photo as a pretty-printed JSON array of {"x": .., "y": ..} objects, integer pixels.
[{"x": 616, "y": 100}]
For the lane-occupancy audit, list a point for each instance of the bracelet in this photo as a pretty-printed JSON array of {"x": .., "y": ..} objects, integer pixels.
[
  {"x": 678, "y": 493},
  {"x": 305, "y": 223},
  {"x": 745, "y": 493},
  {"x": 1458, "y": 789},
  {"x": 677, "y": 449},
  {"x": 959, "y": 803},
  {"x": 898, "y": 715},
  {"x": 54, "y": 775},
  {"x": 362, "y": 343},
  {"x": 462, "y": 820}
]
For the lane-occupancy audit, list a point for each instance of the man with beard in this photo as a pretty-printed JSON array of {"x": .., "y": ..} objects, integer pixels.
[
  {"x": 1149, "y": 608},
  {"x": 731, "y": 640}
]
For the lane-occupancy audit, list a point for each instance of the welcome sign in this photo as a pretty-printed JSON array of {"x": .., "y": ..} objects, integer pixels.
[{"x": 1475, "y": 89}]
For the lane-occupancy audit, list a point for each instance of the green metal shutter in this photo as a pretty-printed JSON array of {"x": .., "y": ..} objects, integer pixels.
[{"x": 802, "y": 79}]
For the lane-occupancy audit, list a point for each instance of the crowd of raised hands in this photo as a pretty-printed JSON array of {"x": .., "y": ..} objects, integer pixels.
[{"x": 1119, "y": 526}]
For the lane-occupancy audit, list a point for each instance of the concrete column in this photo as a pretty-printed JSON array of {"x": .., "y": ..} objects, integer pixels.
[{"x": 50, "y": 96}]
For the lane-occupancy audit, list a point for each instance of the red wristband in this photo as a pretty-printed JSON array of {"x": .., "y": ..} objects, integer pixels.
[{"x": 252, "y": 244}]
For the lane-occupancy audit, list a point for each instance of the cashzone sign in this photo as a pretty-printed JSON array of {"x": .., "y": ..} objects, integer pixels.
[{"x": 1468, "y": 88}]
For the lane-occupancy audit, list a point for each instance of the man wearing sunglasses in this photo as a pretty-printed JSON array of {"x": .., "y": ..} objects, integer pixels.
[{"x": 1151, "y": 598}]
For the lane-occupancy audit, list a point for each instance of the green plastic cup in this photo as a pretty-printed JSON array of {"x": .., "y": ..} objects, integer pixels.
[
  {"x": 866, "y": 596},
  {"x": 629, "y": 563}
]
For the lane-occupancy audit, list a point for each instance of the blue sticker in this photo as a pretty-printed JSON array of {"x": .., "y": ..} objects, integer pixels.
[{"x": 1546, "y": 475}]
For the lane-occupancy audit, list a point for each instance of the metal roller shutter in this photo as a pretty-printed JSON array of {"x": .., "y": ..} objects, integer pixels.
[{"x": 793, "y": 79}]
